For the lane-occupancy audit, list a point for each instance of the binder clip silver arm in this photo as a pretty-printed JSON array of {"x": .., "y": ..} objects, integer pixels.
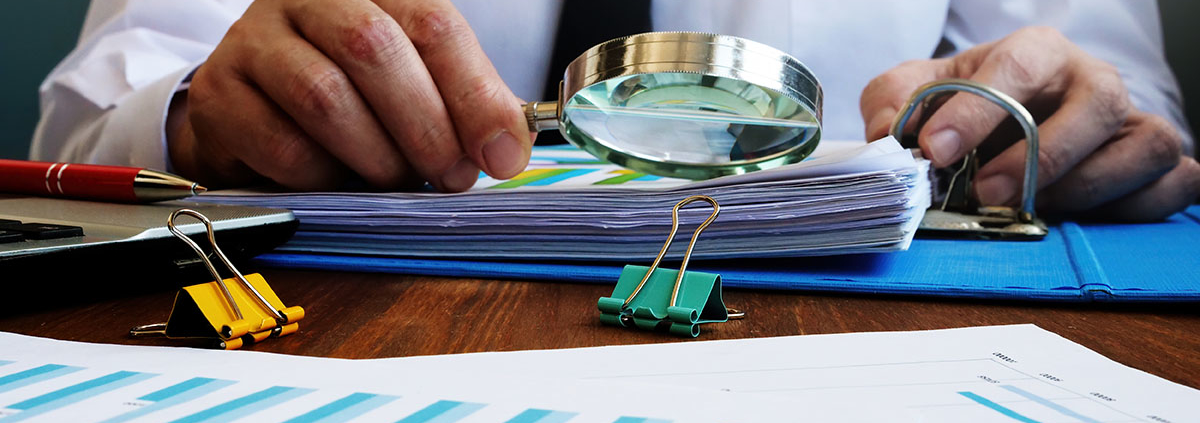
[
  {"x": 958, "y": 216},
  {"x": 160, "y": 328},
  {"x": 733, "y": 313}
]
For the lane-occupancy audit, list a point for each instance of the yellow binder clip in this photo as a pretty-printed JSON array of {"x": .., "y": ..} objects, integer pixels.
[{"x": 224, "y": 313}]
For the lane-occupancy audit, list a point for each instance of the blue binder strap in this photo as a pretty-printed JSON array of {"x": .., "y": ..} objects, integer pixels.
[{"x": 1078, "y": 262}]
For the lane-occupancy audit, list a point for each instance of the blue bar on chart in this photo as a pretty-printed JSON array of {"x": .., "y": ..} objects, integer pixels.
[
  {"x": 246, "y": 405},
  {"x": 997, "y": 407},
  {"x": 442, "y": 412},
  {"x": 1050, "y": 404},
  {"x": 344, "y": 409},
  {"x": 4, "y": 362},
  {"x": 534, "y": 415},
  {"x": 34, "y": 375},
  {"x": 72, "y": 394},
  {"x": 173, "y": 395},
  {"x": 640, "y": 420}
]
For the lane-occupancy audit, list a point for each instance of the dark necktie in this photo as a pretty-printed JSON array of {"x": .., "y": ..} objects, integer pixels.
[{"x": 583, "y": 24}]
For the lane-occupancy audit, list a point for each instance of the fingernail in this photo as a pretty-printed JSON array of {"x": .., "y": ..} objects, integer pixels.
[
  {"x": 504, "y": 155},
  {"x": 996, "y": 190},
  {"x": 461, "y": 176},
  {"x": 943, "y": 146}
]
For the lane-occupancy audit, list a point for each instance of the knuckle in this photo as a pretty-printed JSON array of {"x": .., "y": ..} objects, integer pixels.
[
  {"x": 289, "y": 150},
  {"x": 373, "y": 40},
  {"x": 1191, "y": 178},
  {"x": 1108, "y": 93},
  {"x": 890, "y": 78},
  {"x": 1164, "y": 145},
  {"x": 431, "y": 146},
  {"x": 1019, "y": 65},
  {"x": 201, "y": 92},
  {"x": 887, "y": 90},
  {"x": 241, "y": 29},
  {"x": 1040, "y": 34},
  {"x": 1051, "y": 164},
  {"x": 911, "y": 66},
  {"x": 320, "y": 89},
  {"x": 477, "y": 90},
  {"x": 435, "y": 26},
  {"x": 206, "y": 98}
]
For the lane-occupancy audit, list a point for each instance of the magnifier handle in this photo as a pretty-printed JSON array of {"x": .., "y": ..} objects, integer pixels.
[{"x": 541, "y": 115}]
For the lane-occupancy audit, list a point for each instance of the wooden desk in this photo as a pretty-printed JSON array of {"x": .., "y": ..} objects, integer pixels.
[{"x": 368, "y": 316}]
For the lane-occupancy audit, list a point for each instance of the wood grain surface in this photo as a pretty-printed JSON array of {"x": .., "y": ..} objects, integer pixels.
[{"x": 354, "y": 315}]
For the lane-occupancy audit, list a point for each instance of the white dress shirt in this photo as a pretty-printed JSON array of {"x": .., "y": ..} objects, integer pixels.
[{"x": 107, "y": 101}]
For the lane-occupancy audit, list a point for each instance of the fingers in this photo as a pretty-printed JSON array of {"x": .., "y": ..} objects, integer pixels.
[
  {"x": 321, "y": 99},
  {"x": 1170, "y": 194},
  {"x": 1142, "y": 152},
  {"x": 1028, "y": 64},
  {"x": 1138, "y": 174},
  {"x": 260, "y": 134},
  {"x": 1094, "y": 107},
  {"x": 373, "y": 50},
  {"x": 487, "y": 116},
  {"x": 886, "y": 95},
  {"x": 343, "y": 80}
]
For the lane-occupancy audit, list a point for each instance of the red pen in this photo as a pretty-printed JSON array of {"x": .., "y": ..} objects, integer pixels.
[{"x": 93, "y": 182}]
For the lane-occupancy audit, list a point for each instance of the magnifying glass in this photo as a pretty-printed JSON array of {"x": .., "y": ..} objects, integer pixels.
[{"x": 686, "y": 105}]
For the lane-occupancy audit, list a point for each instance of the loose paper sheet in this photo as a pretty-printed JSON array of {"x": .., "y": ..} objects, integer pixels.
[
  {"x": 1001, "y": 374},
  {"x": 57, "y": 381}
]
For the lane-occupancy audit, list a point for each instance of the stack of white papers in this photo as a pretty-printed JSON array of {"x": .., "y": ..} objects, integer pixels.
[{"x": 847, "y": 198}]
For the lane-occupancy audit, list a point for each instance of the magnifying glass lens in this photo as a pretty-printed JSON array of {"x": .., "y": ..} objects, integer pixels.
[
  {"x": 689, "y": 119},
  {"x": 686, "y": 105}
]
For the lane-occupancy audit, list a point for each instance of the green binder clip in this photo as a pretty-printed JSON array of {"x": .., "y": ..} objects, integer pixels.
[{"x": 675, "y": 300}]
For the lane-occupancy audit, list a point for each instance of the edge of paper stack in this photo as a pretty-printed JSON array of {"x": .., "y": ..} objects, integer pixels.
[{"x": 850, "y": 197}]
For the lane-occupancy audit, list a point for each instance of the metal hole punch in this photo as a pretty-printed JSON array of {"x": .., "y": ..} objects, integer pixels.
[
  {"x": 676, "y": 300},
  {"x": 233, "y": 311},
  {"x": 959, "y": 215}
]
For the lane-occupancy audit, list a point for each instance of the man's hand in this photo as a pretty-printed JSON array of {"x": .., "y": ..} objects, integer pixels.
[
  {"x": 1097, "y": 155},
  {"x": 306, "y": 92}
]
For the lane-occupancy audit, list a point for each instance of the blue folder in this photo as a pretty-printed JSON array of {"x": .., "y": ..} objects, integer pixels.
[{"x": 1076, "y": 262}]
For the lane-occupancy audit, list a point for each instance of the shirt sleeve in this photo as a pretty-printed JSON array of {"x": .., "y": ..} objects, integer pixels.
[
  {"x": 1125, "y": 33},
  {"x": 106, "y": 102}
]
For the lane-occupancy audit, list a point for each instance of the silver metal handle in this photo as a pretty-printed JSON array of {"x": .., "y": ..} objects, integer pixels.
[
  {"x": 541, "y": 115},
  {"x": 1009, "y": 104}
]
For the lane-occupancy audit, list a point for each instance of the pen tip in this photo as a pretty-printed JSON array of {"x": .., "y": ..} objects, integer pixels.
[{"x": 198, "y": 189}]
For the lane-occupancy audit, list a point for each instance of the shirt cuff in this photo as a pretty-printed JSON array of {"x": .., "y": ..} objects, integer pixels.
[{"x": 136, "y": 129}]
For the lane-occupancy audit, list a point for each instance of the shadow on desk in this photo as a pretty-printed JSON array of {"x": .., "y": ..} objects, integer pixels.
[{"x": 81, "y": 286}]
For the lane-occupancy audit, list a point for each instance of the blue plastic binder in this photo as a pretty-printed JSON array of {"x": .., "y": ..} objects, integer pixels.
[{"x": 1076, "y": 262}]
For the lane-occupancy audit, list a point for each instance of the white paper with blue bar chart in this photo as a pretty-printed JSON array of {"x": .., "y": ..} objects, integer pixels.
[
  {"x": 1001, "y": 374},
  {"x": 43, "y": 380}
]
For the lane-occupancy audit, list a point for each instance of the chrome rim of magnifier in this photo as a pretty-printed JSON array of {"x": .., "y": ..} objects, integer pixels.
[{"x": 684, "y": 52}]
